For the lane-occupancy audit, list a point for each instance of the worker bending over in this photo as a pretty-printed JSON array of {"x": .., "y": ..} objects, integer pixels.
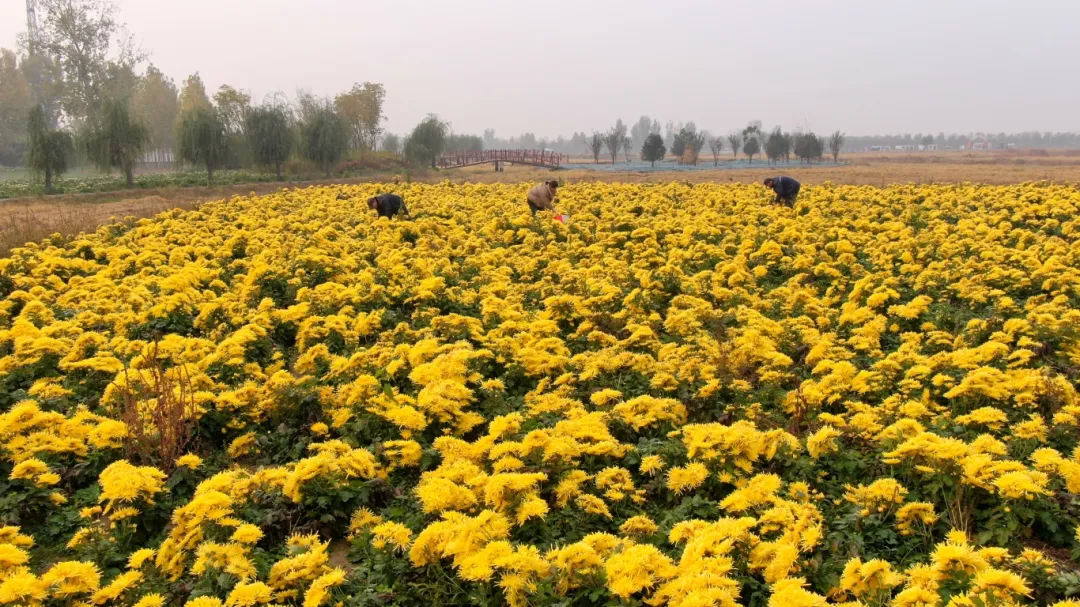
[
  {"x": 543, "y": 196},
  {"x": 786, "y": 188},
  {"x": 387, "y": 205}
]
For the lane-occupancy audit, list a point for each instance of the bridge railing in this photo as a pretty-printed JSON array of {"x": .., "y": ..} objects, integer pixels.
[{"x": 537, "y": 157}]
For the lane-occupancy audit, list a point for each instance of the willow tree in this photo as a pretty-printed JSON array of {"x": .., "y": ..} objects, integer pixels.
[
  {"x": 427, "y": 141},
  {"x": 270, "y": 135},
  {"x": 203, "y": 139},
  {"x": 49, "y": 149},
  {"x": 116, "y": 138},
  {"x": 324, "y": 137}
]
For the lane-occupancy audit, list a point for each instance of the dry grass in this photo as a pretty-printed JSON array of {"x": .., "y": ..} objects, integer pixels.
[
  {"x": 32, "y": 219},
  {"x": 159, "y": 410}
]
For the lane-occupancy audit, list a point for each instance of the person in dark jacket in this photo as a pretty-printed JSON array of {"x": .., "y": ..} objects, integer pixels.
[
  {"x": 786, "y": 188},
  {"x": 387, "y": 205}
]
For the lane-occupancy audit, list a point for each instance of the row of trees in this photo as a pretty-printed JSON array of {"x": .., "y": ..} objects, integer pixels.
[
  {"x": 75, "y": 88},
  {"x": 687, "y": 144}
]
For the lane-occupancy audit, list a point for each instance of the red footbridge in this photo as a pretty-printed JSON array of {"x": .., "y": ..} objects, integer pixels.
[{"x": 536, "y": 158}]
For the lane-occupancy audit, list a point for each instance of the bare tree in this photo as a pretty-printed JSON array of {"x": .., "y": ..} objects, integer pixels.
[
  {"x": 613, "y": 142},
  {"x": 716, "y": 145},
  {"x": 596, "y": 144},
  {"x": 735, "y": 139},
  {"x": 836, "y": 141},
  {"x": 627, "y": 145}
]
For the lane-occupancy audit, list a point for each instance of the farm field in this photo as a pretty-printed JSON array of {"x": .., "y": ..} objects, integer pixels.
[
  {"x": 22, "y": 186},
  {"x": 686, "y": 395}
]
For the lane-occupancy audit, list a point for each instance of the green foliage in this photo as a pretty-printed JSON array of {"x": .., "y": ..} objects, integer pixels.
[
  {"x": 464, "y": 143},
  {"x": 653, "y": 149},
  {"x": 427, "y": 140},
  {"x": 809, "y": 146},
  {"x": 751, "y": 140},
  {"x": 270, "y": 135},
  {"x": 203, "y": 139},
  {"x": 96, "y": 60},
  {"x": 776, "y": 145},
  {"x": 116, "y": 138},
  {"x": 16, "y": 100},
  {"x": 157, "y": 103},
  {"x": 323, "y": 137},
  {"x": 391, "y": 143},
  {"x": 49, "y": 149},
  {"x": 361, "y": 109}
]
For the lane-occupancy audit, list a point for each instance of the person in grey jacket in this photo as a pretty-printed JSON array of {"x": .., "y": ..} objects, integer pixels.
[
  {"x": 387, "y": 205},
  {"x": 786, "y": 188}
]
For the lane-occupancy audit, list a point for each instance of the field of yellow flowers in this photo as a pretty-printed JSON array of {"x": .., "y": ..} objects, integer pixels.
[{"x": 685, "y": 396}]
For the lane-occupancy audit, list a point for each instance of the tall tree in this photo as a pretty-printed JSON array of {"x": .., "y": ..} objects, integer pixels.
[
  {"x": 270, "y": 135},
  {"x": 203, "y": 139},
  {"x": 596, "y": 144},
  {"x": 681, "y": 143},
  {"x": 809, "y": 146},
  {"x": 48, "y": 149},
  {"x": 427, "y": 140},
  {"x": 390, "y": 143},
  {"x": 716, "y": 145},
  {"x": 232, "y": 106},
  {"x": 349, "y": 107},
  {"x": 836, "y": 143},
  {"x": 613, "y": 142},
  {"x": 193, "y": 95},
  {"x": 362, "y": 109},
  {"x": 324, "y": 137},
  {"x": 775, "y": 145},
  {"x": 627, "y": 145},
  {"x": 87, "y": 42},
  {"x": 751, "y": 142},
  {"x": 653, "y": 149},
  {"x": 695, "y": 142},
  {"x": 735, "y": 139},
  {"x": 640, "y": 131},
  {"x": 16, "y": 100},
  {"x": 157, "y": 103},
  {"x": 374, "y": 97},
  {"x": 116, "y": 138},
  {"x": 464, "y": 143}
]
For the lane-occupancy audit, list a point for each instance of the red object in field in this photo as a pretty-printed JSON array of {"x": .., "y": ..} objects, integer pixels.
[{"x": 561, "y": 218}]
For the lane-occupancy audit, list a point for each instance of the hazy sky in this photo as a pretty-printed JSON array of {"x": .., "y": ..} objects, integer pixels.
[{"x": 557, "y": 66}]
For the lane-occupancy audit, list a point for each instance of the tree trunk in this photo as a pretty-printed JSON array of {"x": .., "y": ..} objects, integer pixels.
[
  {"x": 209, "y": 173},
  {"x": 129, "y": 174},
  {"x": 48, "y": 179},
  {"x": 277, "y": 168}
]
